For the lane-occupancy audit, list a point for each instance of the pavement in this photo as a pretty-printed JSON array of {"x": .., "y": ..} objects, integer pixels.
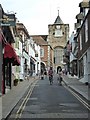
[
  {"x": 77, "y": 86},
  {"x": 10, "y": 99}
]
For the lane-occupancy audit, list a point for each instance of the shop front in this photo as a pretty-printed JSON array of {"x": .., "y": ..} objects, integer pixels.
[
  {"x": 32, "y": 66},
  {"x": 26, "y": 63},
  {"x": 10, "y": 59},
  {"x": 1, "y": 60},
  {"x": 8, "y": 54}
]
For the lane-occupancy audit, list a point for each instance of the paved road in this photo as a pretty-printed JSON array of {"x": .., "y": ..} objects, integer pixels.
[{"x": 49, "y": 101}]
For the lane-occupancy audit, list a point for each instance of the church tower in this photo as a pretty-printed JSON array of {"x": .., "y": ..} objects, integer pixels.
[{"x": 58, "y": 35}]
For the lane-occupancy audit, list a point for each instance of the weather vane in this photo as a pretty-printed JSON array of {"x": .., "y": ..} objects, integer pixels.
[{"x": 58, "y": 10}]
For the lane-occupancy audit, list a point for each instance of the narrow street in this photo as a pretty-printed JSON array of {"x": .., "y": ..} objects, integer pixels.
[
  {"x": 42, "y": 38},
  {"x": 43, "y": 100}
]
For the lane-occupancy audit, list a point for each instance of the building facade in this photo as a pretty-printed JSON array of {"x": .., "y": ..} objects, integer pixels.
[
  {"x": 41, "y": 40},
  {"x": 10, "y": 57},
  {"x": 84, "y": 44},
  {"x": 81, "y": 48},
  {"x": 22, "y": 43}
]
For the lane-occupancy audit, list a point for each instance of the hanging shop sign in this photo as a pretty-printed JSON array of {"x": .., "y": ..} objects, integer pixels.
[{"x": 7, "y": 20}]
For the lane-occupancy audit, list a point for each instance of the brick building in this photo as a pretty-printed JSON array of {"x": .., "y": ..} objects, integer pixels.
[{"x": 45, "y": 50}]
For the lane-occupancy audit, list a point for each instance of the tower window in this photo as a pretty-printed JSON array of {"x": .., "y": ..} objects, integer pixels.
[{"x": 58, "y": 33}]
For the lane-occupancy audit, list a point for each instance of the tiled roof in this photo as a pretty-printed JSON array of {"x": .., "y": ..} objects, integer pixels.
[{"x": 39, "y": 40}]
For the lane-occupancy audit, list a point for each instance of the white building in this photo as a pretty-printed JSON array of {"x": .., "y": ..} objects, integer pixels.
[{"x": 34, "y": 52}]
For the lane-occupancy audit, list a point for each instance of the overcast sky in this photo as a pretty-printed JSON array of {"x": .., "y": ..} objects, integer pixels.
[{"x": 36, "y": 15}]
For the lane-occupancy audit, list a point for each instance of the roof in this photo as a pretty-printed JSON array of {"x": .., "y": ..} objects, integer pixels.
[
  {"x": 58, "y": 19},
  {"x": 39, "y": 40}
]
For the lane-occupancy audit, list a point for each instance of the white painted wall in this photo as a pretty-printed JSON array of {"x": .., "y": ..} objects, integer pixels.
[
  {"x": 38, "y": 59},
  {"x": 32, "y": 52}
]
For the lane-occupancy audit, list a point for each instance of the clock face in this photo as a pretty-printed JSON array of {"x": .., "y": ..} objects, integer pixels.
[{"x": 58, "y": 26}]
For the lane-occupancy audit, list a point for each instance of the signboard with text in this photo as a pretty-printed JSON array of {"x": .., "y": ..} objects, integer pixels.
[{"x": 7, "y": 19}]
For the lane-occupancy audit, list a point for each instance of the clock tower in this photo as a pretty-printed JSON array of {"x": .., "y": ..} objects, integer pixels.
[{"x": 58, "y": 35}]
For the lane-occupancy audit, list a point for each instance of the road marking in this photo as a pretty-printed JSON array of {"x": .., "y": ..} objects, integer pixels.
[
  {"x": 79, "y": 98},
  {"x": 33, "y": 98},
  {"x": 22, "y": 107}
]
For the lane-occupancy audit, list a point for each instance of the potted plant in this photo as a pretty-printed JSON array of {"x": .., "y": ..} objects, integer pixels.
[{"x": 15, "y": 82}]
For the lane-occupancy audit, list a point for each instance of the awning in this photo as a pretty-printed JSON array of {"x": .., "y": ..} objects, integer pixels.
[{"x": 10, "y": 54}]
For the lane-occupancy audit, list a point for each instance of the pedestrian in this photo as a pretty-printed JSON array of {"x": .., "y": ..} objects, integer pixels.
[
  {"x": 59, "y": 77},
  {"x": 50, "y": 74},
  {"x": 42, "y": 74},
  {"x": 45, "y": 73}
]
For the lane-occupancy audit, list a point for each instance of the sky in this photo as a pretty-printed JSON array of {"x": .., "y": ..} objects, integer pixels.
[{"x": 36, "y": 15}]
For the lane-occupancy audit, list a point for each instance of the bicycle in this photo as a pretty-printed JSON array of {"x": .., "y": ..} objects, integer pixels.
[
  {"x": 51, "y": 79},
  {"x": 59, "y": 80}
]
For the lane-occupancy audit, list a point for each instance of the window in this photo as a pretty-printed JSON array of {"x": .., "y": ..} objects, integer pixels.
[
  {"x": 86, "y": 11},
  {"x": 81, "y": 68},
  {"x": 17, "y": 69},
  {"x": 80, "y": 41},
  {"x": 17, "y": 43},
  {"x": 86, "y": 30},
  {"x": 58, "y": 55},
  {"x": 58, "y": 31},
  {"x": 42, "y": 52}
]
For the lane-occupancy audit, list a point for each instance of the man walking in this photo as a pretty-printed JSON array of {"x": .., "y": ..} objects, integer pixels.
[{"x": 50, "y": 74}]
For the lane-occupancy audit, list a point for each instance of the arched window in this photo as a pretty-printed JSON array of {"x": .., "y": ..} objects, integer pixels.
[{"x": 58, "y": 55}]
